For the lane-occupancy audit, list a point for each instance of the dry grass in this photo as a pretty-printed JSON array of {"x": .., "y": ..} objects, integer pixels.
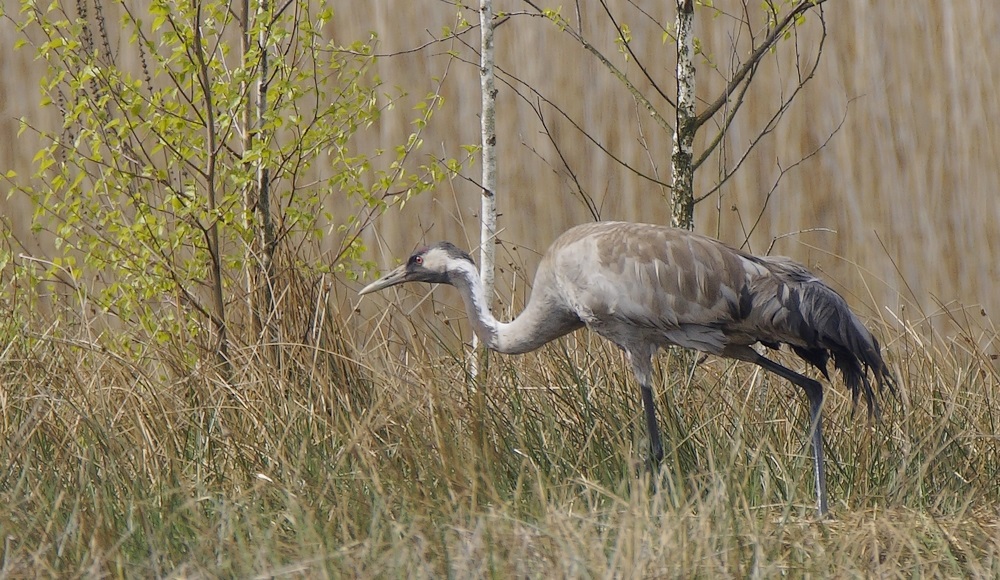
[
  {"x": 371, "y": 452},
  {"x": 374, "y": 454}
]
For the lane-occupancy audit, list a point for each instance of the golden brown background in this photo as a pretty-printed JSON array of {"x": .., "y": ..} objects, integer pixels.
[{"x": 915, "y": 164}]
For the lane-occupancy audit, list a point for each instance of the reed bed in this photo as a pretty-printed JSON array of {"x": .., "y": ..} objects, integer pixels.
[{"x": 371, "y": 452}]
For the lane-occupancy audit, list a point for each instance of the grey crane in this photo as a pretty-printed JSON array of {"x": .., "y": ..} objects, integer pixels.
[{"x": 646, "y": 287}]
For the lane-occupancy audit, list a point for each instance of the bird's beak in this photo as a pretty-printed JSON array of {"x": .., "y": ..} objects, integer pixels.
[{"x": 397, "y": 276}]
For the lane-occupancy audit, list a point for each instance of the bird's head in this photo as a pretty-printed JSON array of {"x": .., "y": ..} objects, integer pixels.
[{"x": 437, "y": 264}]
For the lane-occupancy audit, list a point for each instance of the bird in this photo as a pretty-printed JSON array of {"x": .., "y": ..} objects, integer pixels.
[{"x": 645, "y": 287}]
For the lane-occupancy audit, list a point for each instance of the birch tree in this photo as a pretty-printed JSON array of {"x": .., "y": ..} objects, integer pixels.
[
  {"x": 681, "y": 168},
  {"x": 163, "y": 178},
  {"x": 257, "y": 192},
  {"x": 488, "y": 214},
  {"x": 780, "y": 20}
]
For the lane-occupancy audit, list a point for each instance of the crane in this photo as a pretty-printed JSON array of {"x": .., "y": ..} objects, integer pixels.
[{"x": 646, "y": 287}]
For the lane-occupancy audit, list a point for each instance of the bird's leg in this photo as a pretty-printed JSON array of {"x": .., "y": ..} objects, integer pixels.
[
  {"x": 814, "y": 391},
  {"x": 642, "y": 366},
  {"x": 653, "y": 429}
]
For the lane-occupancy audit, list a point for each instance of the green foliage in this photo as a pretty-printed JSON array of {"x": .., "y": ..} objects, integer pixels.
[
  {"x": 622, "y": 40},
  {"x": 150, "y": 184},
  {"x": 555, "y": 15}
]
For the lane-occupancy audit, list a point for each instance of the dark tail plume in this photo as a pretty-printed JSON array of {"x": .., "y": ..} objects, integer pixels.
[
  {"x": 832, "y": 330},
  {"x": 791, "y": 305}
]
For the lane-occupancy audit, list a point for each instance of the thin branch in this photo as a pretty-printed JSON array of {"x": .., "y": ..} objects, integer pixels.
[
  {"x": 587, "y": 199},
  {"x": 635, "y": 57},
  {"x": 505, "y": 75},
  {"x": 730, "y": 116},
  {"x": 775, "y": 239},
  {"x": 434, "y": 40},
  {"x": 771, "y": 124},
  {"x": 636, "y": 93},
  {"x": 783, "y": 171},
  {"x": 756, "y": 56}
]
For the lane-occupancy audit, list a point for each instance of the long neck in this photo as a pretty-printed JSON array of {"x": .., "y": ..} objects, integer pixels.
[{"x": 540, "y": 322}]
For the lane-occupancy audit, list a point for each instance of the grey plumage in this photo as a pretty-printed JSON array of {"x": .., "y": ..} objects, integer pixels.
[{"x": 646, "y": 287}]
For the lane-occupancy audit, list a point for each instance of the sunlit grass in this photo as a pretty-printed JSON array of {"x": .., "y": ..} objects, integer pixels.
[{"x": 374, "y": 453}]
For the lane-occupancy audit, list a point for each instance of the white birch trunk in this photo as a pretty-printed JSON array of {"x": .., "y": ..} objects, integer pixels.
[
  {"x": 488, "y": 215},
  {"x": 682, "y": 171},
  {"x": 265, "y": 227},
  {"x": 259, "y": 269}
]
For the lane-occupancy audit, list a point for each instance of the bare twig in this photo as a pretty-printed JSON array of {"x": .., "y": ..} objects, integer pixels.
[{"x": 758, "y": 53}]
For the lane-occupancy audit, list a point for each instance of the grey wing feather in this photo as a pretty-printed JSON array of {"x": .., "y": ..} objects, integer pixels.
[
  {"x": 639, "y": 283},
  {"x": 793, "y": 306},
  {"x": 670, "y": 286}
]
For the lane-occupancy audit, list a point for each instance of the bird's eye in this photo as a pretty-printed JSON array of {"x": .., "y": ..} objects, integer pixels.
[{"x": 419, "y": 260}]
